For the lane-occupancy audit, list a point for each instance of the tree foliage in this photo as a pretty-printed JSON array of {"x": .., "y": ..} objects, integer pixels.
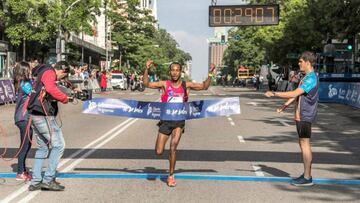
[
  {"x": 304, "y": 25},
  {"x": 38, "y": 20},
  {"x": 135, "y": 34},
  {"x": 133, "y": 29}
]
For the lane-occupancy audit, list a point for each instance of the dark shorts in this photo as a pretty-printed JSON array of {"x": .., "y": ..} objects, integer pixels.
[
  {"x": 303, "y": 129},
  {"x": 166, "y": 127}
]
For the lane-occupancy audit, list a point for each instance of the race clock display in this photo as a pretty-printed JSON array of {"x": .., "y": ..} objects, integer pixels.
[{"x": 243, "y": 15}]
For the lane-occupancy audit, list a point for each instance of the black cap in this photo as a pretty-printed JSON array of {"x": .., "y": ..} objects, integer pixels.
[{"x": 62, "y": 65}]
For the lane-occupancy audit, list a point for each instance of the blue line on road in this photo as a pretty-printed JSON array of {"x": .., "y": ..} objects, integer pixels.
[{"x": 153, "y": 176}]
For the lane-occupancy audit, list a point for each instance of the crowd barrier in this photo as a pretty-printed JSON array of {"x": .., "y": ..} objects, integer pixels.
[
  {"x": 340, "y": 92},
  {"x": 90, "y": 84},
  {"x": 7, "y": 91}
]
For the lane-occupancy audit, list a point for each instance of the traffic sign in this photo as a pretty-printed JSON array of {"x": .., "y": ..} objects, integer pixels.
[{"x": 292, "y": 56}]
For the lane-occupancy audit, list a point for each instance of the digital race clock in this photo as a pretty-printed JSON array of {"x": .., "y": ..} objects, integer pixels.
[{"x": 243, "y": 15}]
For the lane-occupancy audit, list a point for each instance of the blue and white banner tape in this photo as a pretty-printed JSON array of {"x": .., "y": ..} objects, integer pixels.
[{"x": 162, "y": 111}]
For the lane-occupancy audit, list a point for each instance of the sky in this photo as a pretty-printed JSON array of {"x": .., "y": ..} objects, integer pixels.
[{"x": 187, "y": 21}]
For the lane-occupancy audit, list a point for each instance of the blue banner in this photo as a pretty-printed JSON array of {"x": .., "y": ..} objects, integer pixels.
[
  {"x": 7, "y": 91},
  {"x": 162, "y": 111},
  {"x": 340, "y": 92},
  {"x": 339, "y": 75}
]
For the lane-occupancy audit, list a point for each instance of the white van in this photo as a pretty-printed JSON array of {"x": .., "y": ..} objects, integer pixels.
[{"x": 118, "y": 81}]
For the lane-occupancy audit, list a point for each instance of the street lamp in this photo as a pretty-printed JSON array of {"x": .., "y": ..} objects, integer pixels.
[
  {"x": 106, "y": 45},
  {"x": 60, "y": 44}
]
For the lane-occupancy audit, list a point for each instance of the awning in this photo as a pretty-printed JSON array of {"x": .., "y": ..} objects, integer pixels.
[{"x": 76, "y": 40}]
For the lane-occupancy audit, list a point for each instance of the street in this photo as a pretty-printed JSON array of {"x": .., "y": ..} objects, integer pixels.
[{"x": 221, "y": 159}]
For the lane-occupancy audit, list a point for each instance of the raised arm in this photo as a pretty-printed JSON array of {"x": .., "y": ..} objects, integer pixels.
[
  {"x": 146, "y": 82},
  {"x": 204, "y": 85}
]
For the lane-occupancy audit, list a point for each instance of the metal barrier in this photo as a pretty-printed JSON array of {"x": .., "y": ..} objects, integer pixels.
[
  {"x": 340, "y": 92},
  {"x": 7, "y": 91},
  {"x": 88, "y": 84}
]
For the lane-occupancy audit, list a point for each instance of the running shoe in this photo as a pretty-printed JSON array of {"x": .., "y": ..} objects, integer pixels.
[
  {"x": 302, "y": 181},
  {"x": 24, "y": 176}
]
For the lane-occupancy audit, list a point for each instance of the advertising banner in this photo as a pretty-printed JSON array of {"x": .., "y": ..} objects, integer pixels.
[{"x": 162, "y": 111}]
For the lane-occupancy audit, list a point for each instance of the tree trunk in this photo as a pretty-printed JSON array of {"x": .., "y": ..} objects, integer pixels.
[{"x": 24, "y": 49}]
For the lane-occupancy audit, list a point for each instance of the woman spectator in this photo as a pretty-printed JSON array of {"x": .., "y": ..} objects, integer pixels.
[
  {"x": 103, "y": 81},
  {"x": 23, "y": 88},
  {"x": 293, "y": 81}
]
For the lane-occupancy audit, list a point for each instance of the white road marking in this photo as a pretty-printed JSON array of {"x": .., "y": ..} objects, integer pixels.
[
  {"x": 252, "y": 103},
  {"x": 232, "y": 123},
  {"x": 229, "y": 118},
  {"x": 94, "y": 142},
  {"x": 241, "y": 139},
  {"x": 351, "y": 132},
  {"x": 257, "y": 169},
  {"x": 221, "y": 94},
  {"x": 152, "y": 93},
  {"x": 34, "y": 193},
  {"x": 212, "y": 91},
  {"x": 72, "y": 165},
  {"x": 29, "y": 197},
  {"x": 15, "y": 194},
  {"x": 324, "y": 105},
  {"x": 206, "y": 94},
  {"x": 282, "y": 121}
]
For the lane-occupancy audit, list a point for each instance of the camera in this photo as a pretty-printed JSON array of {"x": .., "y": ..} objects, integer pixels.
[{"x": 82, "y": 95}]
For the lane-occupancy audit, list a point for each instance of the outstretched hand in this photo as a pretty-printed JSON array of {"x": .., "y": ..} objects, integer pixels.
[
  {"x": 149, "y": 63},
  {"x": 269, "y": 94},
  {"x": 281, "y": 109}
]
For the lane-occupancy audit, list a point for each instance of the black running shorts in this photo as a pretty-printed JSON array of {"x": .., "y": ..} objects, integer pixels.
[
  {"x": 303, "y": 129},
  {"x": 166, "y": 127}
]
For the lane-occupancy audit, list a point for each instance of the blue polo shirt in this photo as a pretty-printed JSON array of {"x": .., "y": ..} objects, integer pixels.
[{"x": 307, "y": 103}]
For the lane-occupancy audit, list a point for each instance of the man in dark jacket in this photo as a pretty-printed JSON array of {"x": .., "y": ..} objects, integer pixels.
[{"x": 43, "y": 109}]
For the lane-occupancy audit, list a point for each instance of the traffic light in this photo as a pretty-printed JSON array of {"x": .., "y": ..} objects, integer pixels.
[
  {"x": 350, "y": 44},
  {"x": 222, "y": 39}
]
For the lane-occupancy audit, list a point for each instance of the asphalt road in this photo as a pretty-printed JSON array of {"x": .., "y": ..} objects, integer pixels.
[{"x": 248, "y": 157}]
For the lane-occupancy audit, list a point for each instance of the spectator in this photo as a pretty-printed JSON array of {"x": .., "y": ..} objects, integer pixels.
[
  {"x": 103, "y": 81},
  {"x": 22, "y": 84}
]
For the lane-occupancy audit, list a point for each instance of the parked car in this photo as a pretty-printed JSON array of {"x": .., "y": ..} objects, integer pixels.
[{"x": 118, "y": 81}]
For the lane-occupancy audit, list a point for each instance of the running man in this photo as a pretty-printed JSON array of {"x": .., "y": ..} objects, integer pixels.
[
  {"x": 176, "y": 91},
  {"x": 306, "y": 101}
]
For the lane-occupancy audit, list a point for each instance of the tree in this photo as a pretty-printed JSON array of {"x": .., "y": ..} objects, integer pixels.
[
  {"x": 38, "y": 20},
  {"x": 304, "y": 25},
  {"x": 133, "y": 31},
  {"x": 25, "y": 20}
]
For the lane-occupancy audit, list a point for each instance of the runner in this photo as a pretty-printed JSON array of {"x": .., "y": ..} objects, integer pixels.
[{"x": 176, "y": 91}]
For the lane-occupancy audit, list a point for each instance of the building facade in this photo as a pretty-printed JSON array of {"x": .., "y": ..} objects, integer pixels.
[{"x": 217, "y": 46}]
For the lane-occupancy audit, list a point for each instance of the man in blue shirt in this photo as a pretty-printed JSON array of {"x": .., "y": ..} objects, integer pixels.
[{"x": 306, "y": 101}]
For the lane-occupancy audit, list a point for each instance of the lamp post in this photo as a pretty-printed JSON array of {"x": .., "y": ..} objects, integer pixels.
[
  {"x": 60, "y": 43},
  {"x": 106, "y": 38},
  {"x": 107, "y": 49}
]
